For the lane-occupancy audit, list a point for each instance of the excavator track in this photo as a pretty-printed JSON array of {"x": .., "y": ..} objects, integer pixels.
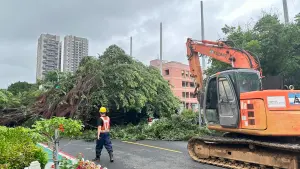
[{"x": 244, "y": 153}]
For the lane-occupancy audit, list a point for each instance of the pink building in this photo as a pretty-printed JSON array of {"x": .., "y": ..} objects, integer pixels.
[{"x": 181, "y": 83}]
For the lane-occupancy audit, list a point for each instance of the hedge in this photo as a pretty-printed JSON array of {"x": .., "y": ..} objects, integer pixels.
[{"x": 18, "y": 148}]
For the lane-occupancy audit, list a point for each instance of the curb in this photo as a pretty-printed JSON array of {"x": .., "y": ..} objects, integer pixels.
[
  {"x": 68, "y": 156},
  {"x": 64, "y": 154}
]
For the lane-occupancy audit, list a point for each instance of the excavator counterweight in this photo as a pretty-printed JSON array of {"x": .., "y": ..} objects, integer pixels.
[{"x": 261, "y": 126}]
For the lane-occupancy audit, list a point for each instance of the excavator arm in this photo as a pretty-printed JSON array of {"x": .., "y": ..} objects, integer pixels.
[{"x": 238, "y": 58}]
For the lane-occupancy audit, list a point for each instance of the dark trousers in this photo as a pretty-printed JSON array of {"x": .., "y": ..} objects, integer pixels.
[{"x": 104, "y": 140}]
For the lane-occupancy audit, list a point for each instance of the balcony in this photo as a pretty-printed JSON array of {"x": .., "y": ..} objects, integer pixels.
[
  {"x": 51, "y": 53},
  {"x": 55, "y": 48}
]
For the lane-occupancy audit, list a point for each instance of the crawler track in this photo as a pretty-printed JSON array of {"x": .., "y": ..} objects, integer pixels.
[
  {"x": 225, "y": 164},
  {"x": 242, "y": 153}
]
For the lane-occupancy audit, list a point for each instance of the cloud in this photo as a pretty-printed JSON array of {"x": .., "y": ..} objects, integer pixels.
[{"x": 113, "y": 22}]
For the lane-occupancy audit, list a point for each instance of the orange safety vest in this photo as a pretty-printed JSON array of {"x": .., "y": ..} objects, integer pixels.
[{"x": 106, "y": 124}]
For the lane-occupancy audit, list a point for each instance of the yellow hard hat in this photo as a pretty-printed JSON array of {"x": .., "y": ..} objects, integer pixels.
[{"x": 102, "y": 110}]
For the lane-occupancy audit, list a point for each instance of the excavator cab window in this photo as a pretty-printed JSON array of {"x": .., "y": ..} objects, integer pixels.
[
  {"x": 228, "y": 107},
  {"x": 248, "y": 81},
  {"x": 211, "y": 102},
  {"x": 221, "y": 102}
]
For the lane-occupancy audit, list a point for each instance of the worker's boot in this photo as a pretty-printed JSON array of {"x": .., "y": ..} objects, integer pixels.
[
  {"x": 97, "y": 159},
  {"x": 111, "y": 156}
]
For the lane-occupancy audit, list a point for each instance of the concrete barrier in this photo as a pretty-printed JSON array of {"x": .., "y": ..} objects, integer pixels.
[{"x": 34, "y": 165}]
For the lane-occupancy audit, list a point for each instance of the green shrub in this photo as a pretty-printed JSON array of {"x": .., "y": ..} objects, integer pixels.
[
  {"x": 178, "y": 127},
  {"x": 130, "y": 132},
  {"x": 89, "y": 135},
  {"x": 190, "y": 115},
  {"x": 18, "y": 147}
]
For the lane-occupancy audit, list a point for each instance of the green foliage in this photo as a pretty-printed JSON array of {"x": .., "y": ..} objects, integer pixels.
[
  {"x": 29, "y": 97},
  {"x": 18, "y": 95},
  {"x": 136, "y": 85},
  {"x": 88, "y": 135},
  {"x": 59, "y": 80},
  {"x": 22, "y": 94},
  {"x": 18, "y": 147},
  {"x": 178, "y": 127},
  {"x": 20, "y": 87},
  {"x": 114, "y": 80},
  {"x": 131, "y": 85},
  {"x": 297, "y": 19},
  {"x": 8, "y": 100},
  {"x": 120, "y": 82},
  {"x": 71, "y": 128},
  {"x": 189, "y": 114}
]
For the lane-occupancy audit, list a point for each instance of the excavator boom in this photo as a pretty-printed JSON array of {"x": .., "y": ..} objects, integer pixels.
[{"x": 237, "y": 58}]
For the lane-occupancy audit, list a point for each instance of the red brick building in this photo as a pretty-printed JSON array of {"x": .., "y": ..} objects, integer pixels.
[{"x": 180, "y": 80}]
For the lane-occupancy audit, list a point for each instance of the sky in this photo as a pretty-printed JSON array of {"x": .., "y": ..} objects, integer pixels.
[{"x": 105, "y": 23}]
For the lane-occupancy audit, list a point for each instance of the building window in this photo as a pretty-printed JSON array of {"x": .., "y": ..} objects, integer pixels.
[
  {"x": 184, "y": 84},
  {"x": 187, "y": 74},
  {"x": 183, "y": 94},
  {"x": 182, "y": 73},
  {"x": 187, "y": 94},
  {"x": 167, "y": 72},
  {"x": 192, "y": 84},
  {"x": 192, "y": 95}
]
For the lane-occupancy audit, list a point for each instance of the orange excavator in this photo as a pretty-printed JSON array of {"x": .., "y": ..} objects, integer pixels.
[{"x": 260, "y": 128}]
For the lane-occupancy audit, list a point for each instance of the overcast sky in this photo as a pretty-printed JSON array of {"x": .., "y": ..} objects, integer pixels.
[{"x": 113, "y": 22}]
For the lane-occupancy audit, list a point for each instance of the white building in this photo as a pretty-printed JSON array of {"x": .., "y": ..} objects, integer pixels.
[
  {"x": 75, "y": 48},
  {"x": 48, "y": 55}
]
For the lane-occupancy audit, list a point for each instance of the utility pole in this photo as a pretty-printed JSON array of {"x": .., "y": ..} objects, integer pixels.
[
  {"x": 131, "y": 46},
  {"x": 202, "y": 32},
  {"x": 55, "y": 150},
  {"x": 285, "y": 11},
  {"x": 203, "y": 63},
  {"x": 161, "y": 48}
]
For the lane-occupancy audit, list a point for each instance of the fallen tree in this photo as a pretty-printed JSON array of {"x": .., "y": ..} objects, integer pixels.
[
  {"x": 176, "y": 128},
  {"x": 114, "y": 80}
]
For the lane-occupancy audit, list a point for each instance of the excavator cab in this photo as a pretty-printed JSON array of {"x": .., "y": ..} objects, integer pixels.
[{"x": 221, "y": 104}]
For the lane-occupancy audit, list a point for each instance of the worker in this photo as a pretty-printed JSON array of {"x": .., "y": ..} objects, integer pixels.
[
  {"x": 245, "y": 86},
  {"x": 103, "y": 137}
]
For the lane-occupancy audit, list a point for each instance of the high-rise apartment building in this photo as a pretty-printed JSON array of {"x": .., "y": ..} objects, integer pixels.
[
  {"x": 48, "y": 55},
  {"x": 75, "y": 48}
]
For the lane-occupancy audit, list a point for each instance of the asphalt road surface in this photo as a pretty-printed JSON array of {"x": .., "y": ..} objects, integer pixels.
[{"x": 138, "y": 155}]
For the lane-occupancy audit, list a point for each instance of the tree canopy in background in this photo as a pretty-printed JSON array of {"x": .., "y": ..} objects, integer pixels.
[
  {"x": 20, "y": 87},
  {"x": 8, "y": 100},
  {"x": 276, "y": 44}
]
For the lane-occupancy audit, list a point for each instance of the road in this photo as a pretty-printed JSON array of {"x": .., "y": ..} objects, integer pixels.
[{"x": 138, "y": 155}]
